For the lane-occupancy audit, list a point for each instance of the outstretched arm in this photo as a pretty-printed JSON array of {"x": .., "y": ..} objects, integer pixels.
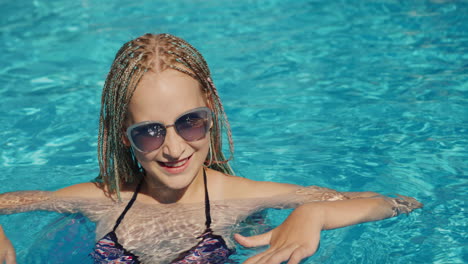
[
  {"x": 298, "y": 236},
  {"x": 24, "y": 201},
  {"x": 86, "y": 198}
]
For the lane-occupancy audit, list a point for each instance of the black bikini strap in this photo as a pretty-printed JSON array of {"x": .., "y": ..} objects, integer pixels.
[
  {"x": 130, "y": 203},
  {"x": 207, "y": 202}
]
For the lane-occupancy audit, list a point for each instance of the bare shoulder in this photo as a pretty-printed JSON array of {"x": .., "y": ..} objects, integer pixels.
[
  {"x": 83, "y": 190},
  {"x": 235, "y": 187}
]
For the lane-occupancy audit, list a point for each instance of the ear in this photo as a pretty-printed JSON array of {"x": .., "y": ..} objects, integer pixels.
[
  {"x": 212, "y": 123},
  {"x": 125, "y": 139}
]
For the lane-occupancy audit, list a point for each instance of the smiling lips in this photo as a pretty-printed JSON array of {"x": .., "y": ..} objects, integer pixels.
[{"x": 175, "y": 167}]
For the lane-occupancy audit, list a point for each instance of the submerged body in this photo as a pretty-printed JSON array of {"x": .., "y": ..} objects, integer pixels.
[{"x": 210, "y": 249}]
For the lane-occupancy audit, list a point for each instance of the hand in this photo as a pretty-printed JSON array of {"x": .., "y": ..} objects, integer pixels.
[
  {"x": 7, "y": 252},
  {"x": 405, "y": 204},
  {"x": 295, "y": 239}
]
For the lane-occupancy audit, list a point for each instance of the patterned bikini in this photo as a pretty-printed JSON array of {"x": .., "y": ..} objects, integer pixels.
[{"x": 211, "y": 248}]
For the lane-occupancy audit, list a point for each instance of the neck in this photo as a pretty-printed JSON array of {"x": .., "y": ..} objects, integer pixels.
[{"x": 165, "y": 195}]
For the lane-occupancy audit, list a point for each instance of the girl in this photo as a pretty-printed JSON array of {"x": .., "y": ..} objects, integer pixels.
[{"x": 165, "y": 192}]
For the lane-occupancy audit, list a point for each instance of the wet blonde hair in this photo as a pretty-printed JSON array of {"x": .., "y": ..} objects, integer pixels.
[{"x": 117, "y": 163}]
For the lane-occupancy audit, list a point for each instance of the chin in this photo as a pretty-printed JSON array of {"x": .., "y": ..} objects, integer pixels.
[
  {"x": 180, "y": 181},
  {"x": 178, "y": 185}
]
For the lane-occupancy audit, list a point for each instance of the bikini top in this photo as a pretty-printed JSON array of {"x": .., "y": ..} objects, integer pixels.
[{"x": 211, "y": 248}]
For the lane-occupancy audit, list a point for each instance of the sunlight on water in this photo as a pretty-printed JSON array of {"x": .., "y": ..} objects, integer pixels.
[{"x": 368, "y": 95}]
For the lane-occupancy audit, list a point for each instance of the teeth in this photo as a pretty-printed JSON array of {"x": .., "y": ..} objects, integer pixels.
[{"x": 177, "y": 164}]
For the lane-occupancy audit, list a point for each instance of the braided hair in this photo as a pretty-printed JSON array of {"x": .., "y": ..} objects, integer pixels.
[{"x": 155, "y": 52}]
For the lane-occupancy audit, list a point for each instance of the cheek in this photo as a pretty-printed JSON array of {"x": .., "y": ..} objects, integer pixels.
[
  {"x": 202, "y": 146},
  {"x": 145, "y": 157}
]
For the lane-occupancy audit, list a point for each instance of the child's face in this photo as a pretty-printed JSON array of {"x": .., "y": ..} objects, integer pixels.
[{"x": 163, "y": 97}]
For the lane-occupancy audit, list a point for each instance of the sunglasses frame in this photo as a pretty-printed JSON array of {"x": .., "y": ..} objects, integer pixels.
[{"x": 130, "y": 128}]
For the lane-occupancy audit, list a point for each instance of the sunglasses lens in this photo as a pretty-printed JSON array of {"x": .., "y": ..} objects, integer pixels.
[
  {"x": 148, "y": 137},
  {"x": 193, "y": 126}
]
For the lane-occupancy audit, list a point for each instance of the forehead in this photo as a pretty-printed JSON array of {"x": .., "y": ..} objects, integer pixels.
[{"x": 162, "y": 96}]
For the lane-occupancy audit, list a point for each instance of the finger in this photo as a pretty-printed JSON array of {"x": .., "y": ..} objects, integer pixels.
[
  {"x": 412, "y": 202},
  {"x": 10, "y": 257},
  {"x": 261, "y": 257},
  {"x": 300, "y": 253},
  {"x": 254, "y": 259},
  {"x": 278, "y": 256},
  {"x": 253, "y": 241}
]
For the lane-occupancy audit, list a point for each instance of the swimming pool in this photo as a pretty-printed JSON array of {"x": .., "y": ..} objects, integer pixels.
[{"x": 355, "y": 96}]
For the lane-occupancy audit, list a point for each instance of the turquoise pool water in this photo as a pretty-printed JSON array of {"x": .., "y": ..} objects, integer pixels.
[{"x": 351, "y": 95}]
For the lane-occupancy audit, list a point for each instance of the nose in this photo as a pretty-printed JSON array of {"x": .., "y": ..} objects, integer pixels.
[{"x": 174, "y": 145}]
